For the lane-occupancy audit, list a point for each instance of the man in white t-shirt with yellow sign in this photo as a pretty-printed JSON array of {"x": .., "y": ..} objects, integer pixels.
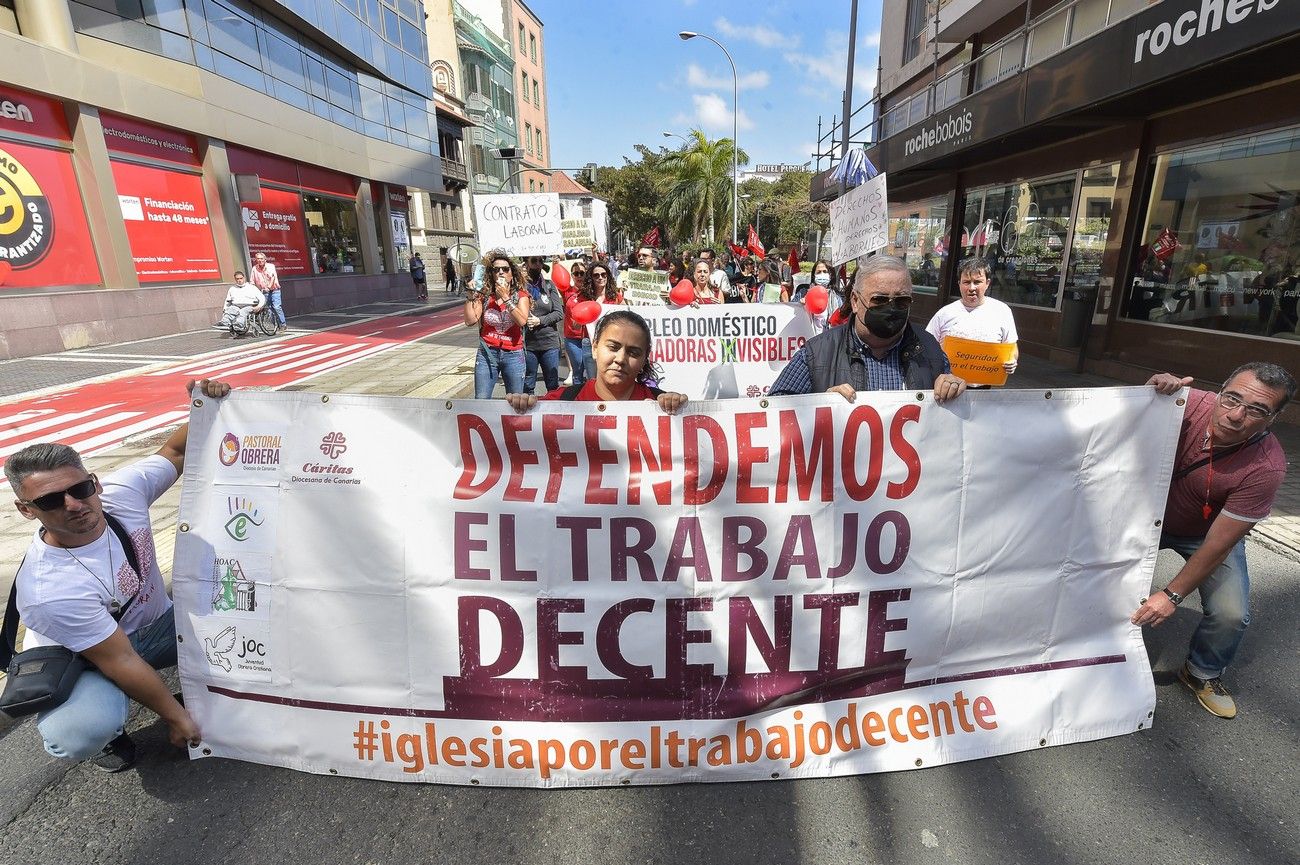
[{"x": 980, "y": 319}]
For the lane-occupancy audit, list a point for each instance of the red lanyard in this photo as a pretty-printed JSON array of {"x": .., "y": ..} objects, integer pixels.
[{"x": 1209, "y": 478}]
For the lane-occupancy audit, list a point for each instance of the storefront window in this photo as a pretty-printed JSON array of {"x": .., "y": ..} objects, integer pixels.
[
  {"x": 335, "y": 238},
  {"x": 1221, "y": 247},
  {"x": 918, "y": 234},
  {"x": 1091, "y": 227},
  {"x": 1022, "y": 230}
]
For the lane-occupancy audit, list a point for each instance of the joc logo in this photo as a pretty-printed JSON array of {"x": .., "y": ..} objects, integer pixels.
[
  {"x": 229, "y": 449},
  {"x": 26, "y": 219}
]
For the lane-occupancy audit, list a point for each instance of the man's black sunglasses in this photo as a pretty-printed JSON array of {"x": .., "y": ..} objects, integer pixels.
[{"x": 80, "y": 491}]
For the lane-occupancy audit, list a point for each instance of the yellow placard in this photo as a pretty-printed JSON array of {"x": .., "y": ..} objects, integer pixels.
[{"x": 978, "y": 362}]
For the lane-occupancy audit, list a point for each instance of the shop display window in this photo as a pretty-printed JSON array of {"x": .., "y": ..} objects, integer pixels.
[
  {"x": 1220, "y": 248},
  {"x": 1091, "y": 227},
  {"x": 918, "y": 234},
  {"x": 1023, "y": 231},
  {"x": 334, "y": 235}
]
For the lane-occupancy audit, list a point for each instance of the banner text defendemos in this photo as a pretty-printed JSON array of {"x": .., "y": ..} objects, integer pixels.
[{"x": 844, "y": 456}]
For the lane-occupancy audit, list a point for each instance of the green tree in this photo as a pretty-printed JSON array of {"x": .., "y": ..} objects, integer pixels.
[
  {"x": 633, "y": 191},
  {"x": 698, "y": 197}
]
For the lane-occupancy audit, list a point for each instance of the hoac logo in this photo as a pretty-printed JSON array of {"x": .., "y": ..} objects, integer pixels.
[
  {"x": 232, "y": 590},
  {"x": 334, "y": 445},
  {"x": 228, "y": 450},
  {"x": 951, "y": 130},
  {"x": 26, "y": 218},
  {"x": 243, "y": 518}
]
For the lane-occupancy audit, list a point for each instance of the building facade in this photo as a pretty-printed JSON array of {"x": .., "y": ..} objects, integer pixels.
[
  {"x": 1130, "y": 171},
  {"x": 530, "y": 68},
  {"x": 488, "y": 72},
  {"x": 442, "y": 219},
  {"x": 155, "y": 147}
]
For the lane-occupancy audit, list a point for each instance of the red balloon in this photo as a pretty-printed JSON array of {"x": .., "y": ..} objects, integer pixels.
[
  {"x": 561, "y": 277},
  {"x": 683, "y": 293},
  {"x": 816, "y": 300},
  {"x": 586, "y": 312}
]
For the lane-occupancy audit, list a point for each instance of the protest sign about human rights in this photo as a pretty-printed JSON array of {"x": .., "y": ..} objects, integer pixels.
[
  {"x": 592, "y": 594},
  {"x": 723, "y": 352},
  {"x": 859, "y": 221},
  {"x": 522, "y": 224}
]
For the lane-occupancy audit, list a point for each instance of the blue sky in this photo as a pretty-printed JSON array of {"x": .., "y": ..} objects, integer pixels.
[{"x": 618, "y": 74}]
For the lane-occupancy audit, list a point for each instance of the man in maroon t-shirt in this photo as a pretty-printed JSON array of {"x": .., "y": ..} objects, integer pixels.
[{"x": 1226, "y": 473}]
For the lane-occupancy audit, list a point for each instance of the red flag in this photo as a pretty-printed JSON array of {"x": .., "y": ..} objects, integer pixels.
[
  {"x": 736, "y": 249},
  {"x": 1165, "y": 245},
  {"x": 844, "y": 273},
  {"x": 651, "y": 238},
  {"x": 794, "y": 259},
  {"x": 755, "y": 245}
]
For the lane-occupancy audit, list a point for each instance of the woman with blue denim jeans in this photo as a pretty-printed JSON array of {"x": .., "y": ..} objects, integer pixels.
[
  {"x": 500, "y": 310},
  {"x": 542, "y": 335},
  {"x": 596, "y": 284}
]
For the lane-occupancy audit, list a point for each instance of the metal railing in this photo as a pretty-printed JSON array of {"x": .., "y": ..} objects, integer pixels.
[{"x": 1061, "y": 27}]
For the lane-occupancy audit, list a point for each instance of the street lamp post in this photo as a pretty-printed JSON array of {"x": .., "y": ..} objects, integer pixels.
[
  {"x": 675, "y": 135},
  {"x": 735, "y": 127}
]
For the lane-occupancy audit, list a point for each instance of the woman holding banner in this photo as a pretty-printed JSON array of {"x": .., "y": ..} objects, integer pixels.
[
  {"x": 500, "y": 318},
  {"x": 624, "y": 367}
]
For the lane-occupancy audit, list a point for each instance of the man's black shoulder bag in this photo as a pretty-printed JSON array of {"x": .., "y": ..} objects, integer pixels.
[{"x": 40, "y": 679}]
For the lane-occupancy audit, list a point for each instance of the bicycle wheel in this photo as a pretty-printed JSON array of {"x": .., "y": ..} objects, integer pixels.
[{"x": 266, "y": 321}]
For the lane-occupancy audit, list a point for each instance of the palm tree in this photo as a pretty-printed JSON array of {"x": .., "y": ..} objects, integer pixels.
[{"x": 699, "y": 186}]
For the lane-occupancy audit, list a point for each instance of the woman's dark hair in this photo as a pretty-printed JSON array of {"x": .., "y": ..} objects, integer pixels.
[
  {"x": 489, "y": 278},
  {"x": 676, "y": 271},
  {"x": 589, "y": 290},
  {"x": 649, "y": 372},
  {"x": 773, "y": 271}
]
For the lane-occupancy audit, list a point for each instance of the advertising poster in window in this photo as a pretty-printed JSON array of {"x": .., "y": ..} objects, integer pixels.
[
  {"x": 167, "y": 223},
  {"x": 40, "y": 205},
  {"x": 274, "y": 225}
]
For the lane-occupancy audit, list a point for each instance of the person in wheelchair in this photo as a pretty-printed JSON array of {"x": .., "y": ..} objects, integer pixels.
[{"x": 242, "y": 299}]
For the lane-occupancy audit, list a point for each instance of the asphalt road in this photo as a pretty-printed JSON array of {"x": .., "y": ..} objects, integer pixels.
[{"x": 1193, "y": 789}]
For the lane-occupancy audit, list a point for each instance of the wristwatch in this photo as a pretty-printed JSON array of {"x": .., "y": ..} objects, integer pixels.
[{"x": 1173, "y": 596}]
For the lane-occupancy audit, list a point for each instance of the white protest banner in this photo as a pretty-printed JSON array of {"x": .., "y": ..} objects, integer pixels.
[
  {"x": 645, "y": 287},
  {"x": 597, "y": 594},
  {"x": 859, "y": 221},
  {"x": 723, "y": 352},
  {"x": 523, "y": 224},
  {"x": 578, "y": 235}
]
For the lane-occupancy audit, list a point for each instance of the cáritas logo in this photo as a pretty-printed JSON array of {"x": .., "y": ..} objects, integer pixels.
[{"x": 26, "y": 219}]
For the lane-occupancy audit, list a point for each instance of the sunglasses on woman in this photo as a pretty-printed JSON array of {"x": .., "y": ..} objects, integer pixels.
[
  {"x": 80, "y": 491},
  {"x": 499, "y": 269}
]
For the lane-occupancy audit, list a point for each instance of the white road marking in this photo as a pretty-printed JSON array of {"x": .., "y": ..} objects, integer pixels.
[
  {"x": 65, "y": 434},
  {"x": 25, "y": 429}
]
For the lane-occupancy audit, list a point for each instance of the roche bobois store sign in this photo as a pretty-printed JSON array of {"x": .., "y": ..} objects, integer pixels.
[{"x": 1172, "y": 38}]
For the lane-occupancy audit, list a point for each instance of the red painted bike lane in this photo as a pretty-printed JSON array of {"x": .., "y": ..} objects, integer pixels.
[{"x": 99, "y": 416}]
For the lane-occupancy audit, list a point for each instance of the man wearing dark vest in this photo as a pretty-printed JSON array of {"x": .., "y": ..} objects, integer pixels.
[
  {"x": 878, "y": 349},
  {"x": 1227, "y": 471}
]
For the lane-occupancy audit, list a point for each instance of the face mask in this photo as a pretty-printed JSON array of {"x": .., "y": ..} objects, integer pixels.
[
  {"x": 822, "y": 279},
  {"x": 885, "y": 322}
]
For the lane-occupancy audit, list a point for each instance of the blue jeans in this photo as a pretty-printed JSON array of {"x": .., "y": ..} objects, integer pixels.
[
  {"x": 95, "y": 712},
  {"x": 550, "y": 362},
  {"x": 493, "y": 361},
  {"x": 273, "y": 298},
  {"x": 1225, "y": 598},
  {"x": 581, "y": 362}
]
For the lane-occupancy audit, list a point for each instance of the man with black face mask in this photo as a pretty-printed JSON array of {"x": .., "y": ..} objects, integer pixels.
[{"x": 878, "y": 349}]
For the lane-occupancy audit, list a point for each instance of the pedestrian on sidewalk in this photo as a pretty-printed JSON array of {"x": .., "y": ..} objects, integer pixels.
[
  {"x": 500, "y": 313},
  {"x": 78, "y": 587},
  {"x": 417, "y": 276},
  {"x": 268, "y": 282},
  {"x": 449, "y": 277},
  {"x": 1227, "y": 471}
]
